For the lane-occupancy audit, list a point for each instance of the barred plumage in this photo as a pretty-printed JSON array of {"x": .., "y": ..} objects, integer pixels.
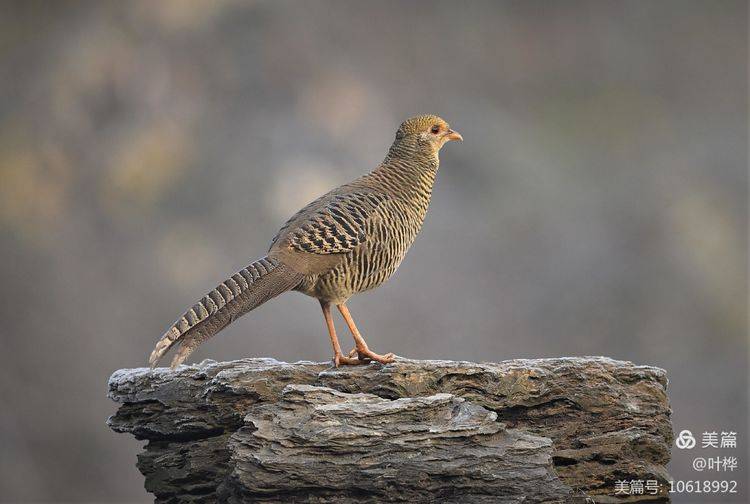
[
  {"x": 347, "y": 241},
  {"x": 235, "y": 296}
]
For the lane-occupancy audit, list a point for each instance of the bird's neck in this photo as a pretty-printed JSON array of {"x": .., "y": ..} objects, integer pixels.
[{"x": 409, "y": 178}]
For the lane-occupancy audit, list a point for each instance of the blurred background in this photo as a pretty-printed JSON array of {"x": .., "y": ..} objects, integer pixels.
[{"x": 598, "y": 205}]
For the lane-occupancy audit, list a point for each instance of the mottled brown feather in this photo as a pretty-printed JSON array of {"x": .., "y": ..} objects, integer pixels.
[{"x": 347, "y": 241}]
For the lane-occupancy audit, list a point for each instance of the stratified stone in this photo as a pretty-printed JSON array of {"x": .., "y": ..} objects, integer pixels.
[
  {"x": 599, "y": 420},
  {"x": 317, "y": 444}
]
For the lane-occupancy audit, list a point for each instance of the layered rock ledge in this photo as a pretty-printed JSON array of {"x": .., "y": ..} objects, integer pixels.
[{"x": 530, "y": 430}]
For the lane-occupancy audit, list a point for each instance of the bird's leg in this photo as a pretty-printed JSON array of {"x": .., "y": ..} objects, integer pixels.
[
  {"x": 338, "y": 358},
  {"x": 362, "y": 350}
]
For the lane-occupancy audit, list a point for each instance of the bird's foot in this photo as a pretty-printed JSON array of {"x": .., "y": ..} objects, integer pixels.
[
  {"x": 367, "y": 355},
  {"x": 339, "y": 360}
]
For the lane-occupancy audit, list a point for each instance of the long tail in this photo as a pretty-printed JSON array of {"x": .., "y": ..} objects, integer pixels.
[{"x": 247, "y": 289}]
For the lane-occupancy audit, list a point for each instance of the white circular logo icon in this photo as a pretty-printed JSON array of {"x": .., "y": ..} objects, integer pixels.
[{"x": 685, "y": 440}]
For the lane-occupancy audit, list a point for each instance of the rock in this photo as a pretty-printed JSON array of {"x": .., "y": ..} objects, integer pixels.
[{"x": 259, "y": 430}]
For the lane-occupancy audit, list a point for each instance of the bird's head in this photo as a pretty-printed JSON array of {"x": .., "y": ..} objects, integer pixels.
[{"x": 425, "y": 133}]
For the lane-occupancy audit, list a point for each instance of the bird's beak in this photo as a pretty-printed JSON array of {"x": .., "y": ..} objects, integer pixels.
[{"x": 453, "y": 135}]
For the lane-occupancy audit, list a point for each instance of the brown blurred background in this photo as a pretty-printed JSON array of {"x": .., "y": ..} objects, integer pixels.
[{"x": 148, "y": 149}]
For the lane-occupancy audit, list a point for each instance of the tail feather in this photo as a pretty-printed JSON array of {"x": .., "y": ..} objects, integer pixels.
[{"x": 245, "y": 290}]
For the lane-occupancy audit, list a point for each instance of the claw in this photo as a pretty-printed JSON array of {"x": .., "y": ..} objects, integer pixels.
[
  {"x": 365, "y": 354},
  {"x": 339, "y": 360},
  {"x": 356, "y": 353}
]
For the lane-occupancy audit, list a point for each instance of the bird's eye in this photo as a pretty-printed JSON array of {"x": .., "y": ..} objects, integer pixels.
[{"x": 435, "y": 129}]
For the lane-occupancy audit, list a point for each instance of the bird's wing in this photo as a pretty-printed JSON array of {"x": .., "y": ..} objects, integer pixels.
[
  {"x": 290, "y": 223},
  {"x": 335, "y": 224}
]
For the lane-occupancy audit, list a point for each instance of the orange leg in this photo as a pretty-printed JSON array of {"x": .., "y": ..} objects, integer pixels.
[
  {"x": 362, "y": 350},
  {"x": 338, "y": 358}
]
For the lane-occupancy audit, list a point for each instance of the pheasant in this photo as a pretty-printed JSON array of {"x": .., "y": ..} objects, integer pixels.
[{"x": 349, "y": 240}]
